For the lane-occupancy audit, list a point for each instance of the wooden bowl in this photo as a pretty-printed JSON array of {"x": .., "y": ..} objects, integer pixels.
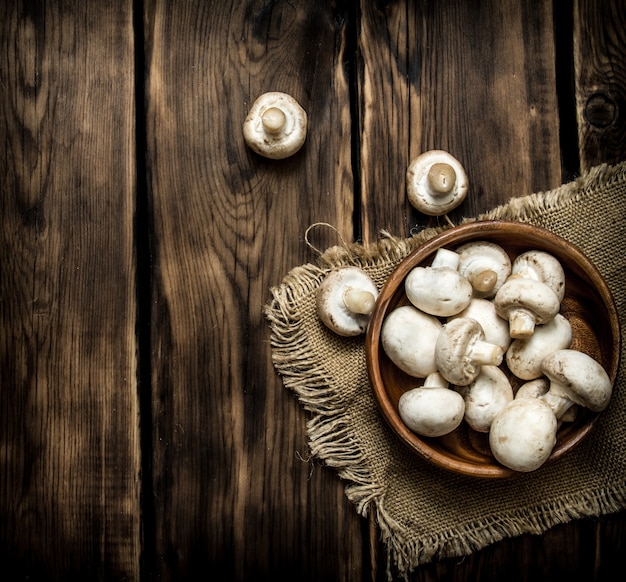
[{"x": 588, "y": 305}]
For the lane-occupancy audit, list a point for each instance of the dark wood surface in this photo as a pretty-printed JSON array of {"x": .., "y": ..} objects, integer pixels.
[{"x": 144, "y": 434}]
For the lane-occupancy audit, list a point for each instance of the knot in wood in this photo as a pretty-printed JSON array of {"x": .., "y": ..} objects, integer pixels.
[{"x": 600, "y": 110}]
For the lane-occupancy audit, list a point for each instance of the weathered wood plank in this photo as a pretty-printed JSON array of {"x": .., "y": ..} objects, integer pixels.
[
  {"x": 600, "y": 79},
  {"x": 233, "y": 486},
  {"x": 69, "y": 433},
  {"x": 476, "y": 80},
  {"x": 599, "y": 44}
]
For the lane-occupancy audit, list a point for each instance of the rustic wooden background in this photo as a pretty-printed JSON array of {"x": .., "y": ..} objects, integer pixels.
[{"x": 144, "y": 434}]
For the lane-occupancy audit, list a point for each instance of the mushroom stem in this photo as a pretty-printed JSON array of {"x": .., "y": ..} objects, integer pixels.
[
  {"x": 441, "y": 178},
  {"x": 273, "y": 120},
  {"x": 559, "y": 404},
  {"x": 521, "y": 323},
  {"x": 359, "y": 301},
  {"x": 484, "y": 281},
  {"x": 485, "y": 353},
  {"x": 435, "y": 380}
]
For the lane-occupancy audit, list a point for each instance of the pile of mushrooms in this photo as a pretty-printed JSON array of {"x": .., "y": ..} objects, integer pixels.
[{"x": 475, "y": 321}]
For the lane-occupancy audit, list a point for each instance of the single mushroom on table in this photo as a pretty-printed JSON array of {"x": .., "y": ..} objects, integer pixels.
[
  {"x": 439, "y": 289},
  {"x": 524, "y": 356},
  {"x": 485, "y": 397},
  {"x": 485, "y": 265},
  {"x": 345, "y": 300},
  {"x": 461, "y": 350},
  {"x": 276, "y": 125},
  {"x": 408, "y": 337},
  {"x": 436, "y": 182},
  {"x": 431, "y": 410},
  {"x": 575, "y": 378}
]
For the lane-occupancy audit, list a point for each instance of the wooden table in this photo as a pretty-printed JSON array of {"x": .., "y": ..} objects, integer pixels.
[{"x": 144, "y": 432}]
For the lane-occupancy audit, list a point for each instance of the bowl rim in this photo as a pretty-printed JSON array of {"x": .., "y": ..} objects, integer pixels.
[{"x": 458, "y": 235}]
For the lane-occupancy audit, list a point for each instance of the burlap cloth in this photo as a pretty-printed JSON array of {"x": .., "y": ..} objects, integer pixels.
[{"x": 424, "y": 512}]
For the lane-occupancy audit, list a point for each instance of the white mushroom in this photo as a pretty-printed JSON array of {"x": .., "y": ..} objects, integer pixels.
[
  {"x": 525, "y": 303},
  {"x": 523, "y": 434},
  {"x": 524, "y": 356},
  {"x": 461, "y": 350},
  {"x": 408, "y": 337},
  {"x": 485, "y": 265},
  {"x": 496, "y": 329},
  {"x": 433, "y": 409},
  {"x": 439, "y": 289},
  {"x": 538, "y": 388},
  {"x": 533, "y": 388},
  {"x": 541, "y": 266},
  {"x": 436, "y": 182},
  {"x": 345, "y": 300},
  {"x": 485, "y": 397},
  {"x": 276, "y": 126},
  {"x": 575, "y": 378}
]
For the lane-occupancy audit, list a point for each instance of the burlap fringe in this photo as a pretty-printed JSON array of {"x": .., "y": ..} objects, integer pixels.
[
  {"x": 330, "y": 436},
  {"x": 528, "y": 207},
  {"x": 407, "y": 555}
]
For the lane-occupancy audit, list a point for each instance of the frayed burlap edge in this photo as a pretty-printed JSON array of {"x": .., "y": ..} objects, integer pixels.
[
  {"x": 528, "y": 207},
  {"x": 330, "y": 436}
]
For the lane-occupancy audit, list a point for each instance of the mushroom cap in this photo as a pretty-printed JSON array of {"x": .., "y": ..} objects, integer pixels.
[
  {"x": 276, "y": 125},
  {"x": 461, "y": 349},
  {"x": 445, "y": 172},
  {"x": 533, "y": 388},
  {"x": 485, "y": 397},
  {"x": 486, "y": 265},
  {"x": 408, "y": 337},
  {"x": 331, "y": 304},
  {"x": 440, "y": 291},
  {"x": 525, "y": 303},
  {"x": 446, "y": 258},
  {"x": 541, "y": 266},
  {"x": 496, "y": 328},
  {"x": 578, "y": 377},
  {"x": 523, "y": 434},
  {"x": 431, "y": 411},
  {"x": 524, "y": 356}
]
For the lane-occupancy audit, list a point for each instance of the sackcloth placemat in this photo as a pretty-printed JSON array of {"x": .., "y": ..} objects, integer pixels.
[{"x": 425, "y": 512}]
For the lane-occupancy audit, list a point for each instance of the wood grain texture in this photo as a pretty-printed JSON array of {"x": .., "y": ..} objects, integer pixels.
[
  {"x": 69, "y": 433},
  {"x": 95, "y": 344},
  {"x": 475, "y": 80},
  {"x": 233, "y": 486},
  {"x": 600, "y": 78}
]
